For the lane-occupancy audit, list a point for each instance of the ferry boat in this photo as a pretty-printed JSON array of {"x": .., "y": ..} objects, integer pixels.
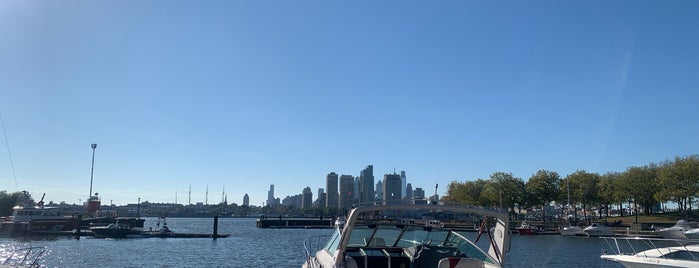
[
  {"x": 37, "y": 219},
  {"x": 378, "y": 236}
]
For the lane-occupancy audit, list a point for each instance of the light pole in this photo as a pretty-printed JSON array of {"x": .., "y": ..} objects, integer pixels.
[{"x": 92, "y": 170}]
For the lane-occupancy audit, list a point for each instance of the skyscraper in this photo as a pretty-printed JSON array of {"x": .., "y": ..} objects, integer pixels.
[
  {"x": 355, "y": 193},
  {"x": 246, "y": 200},
  {"x": 418, "y": 193},
  {"x": 321, "y": 198},
  {"x": 379, "y": 190},
  {"x": 391, "y": 188},
  {"x": 306, "y": 198},
  {"x": 346, "y": 189},
  {"x": 366, "y": 184},
  {"x": 270, "y": 196},
  {"x": 409, "y": 191},
  {"x": 403, "y": 182},
  {"x": 331, "y": 190}
]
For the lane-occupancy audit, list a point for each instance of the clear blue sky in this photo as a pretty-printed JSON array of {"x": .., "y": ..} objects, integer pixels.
[{"x": 244, "y": 94}]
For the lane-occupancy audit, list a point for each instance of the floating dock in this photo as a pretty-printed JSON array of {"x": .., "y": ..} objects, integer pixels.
[{"x": 295, "y": 223}]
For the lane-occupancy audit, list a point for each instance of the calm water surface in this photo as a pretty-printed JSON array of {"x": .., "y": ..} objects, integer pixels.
[{"x": 249, "y": 246}]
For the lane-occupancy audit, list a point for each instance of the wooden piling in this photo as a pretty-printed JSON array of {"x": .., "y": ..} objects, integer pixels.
[
  {"x": 77, "y": 229},
  {"x": 215, "y": 235}
]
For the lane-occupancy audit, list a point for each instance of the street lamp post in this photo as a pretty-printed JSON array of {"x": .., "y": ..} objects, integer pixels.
[{"x": 92, "y": 170}]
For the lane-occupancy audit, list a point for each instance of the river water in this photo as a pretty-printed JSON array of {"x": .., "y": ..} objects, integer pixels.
[{"x": 249, "y": 246}]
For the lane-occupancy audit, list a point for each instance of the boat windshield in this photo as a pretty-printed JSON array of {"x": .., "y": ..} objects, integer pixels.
[{"x": 412, "y": 236}]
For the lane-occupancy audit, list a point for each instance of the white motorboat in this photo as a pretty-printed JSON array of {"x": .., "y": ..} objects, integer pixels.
[
  {"x": 674, "y": 232},
  {"x": 596, "y": 229},
  {"x": 692, "y": 233},
  {"x": 378, "y": 236},
  {"x": 636, "y": 252},
  {"x": 572, "y": 230}
]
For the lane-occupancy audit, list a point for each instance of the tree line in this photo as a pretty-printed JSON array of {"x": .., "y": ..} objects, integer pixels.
[{"x": 642, "y": 187}]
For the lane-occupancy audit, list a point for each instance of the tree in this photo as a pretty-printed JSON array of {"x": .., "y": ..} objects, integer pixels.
[
  {"x": 470, "y": 192},
  {"x": 679, "y": 182},
  {"x": 583, "y": 189},
  {"x": 608, "y": 191},
  {"x": 543, "y": 188},
  {"x": 510, "y": 191}
]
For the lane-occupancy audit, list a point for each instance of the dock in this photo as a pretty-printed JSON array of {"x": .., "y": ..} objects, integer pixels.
[{"x": 294, "y": 223}]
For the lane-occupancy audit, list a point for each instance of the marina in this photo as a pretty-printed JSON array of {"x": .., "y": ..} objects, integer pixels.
[{"x": 282, "y": 248}]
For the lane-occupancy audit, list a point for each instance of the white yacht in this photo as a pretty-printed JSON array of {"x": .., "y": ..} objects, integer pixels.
[
  {"x": 636, "y": 252},
  {"x": 378, "y": 236},
  {"x": 572, "y": 230},
  {"x": 674, "y": 232},
  {"x": 692, "y": 233},
  {"x": 596, "y": 229}
]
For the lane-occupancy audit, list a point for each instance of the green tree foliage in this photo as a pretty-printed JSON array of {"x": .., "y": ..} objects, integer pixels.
[
  {"x": 583, "y": 189},
  {"x": 543, "y": 188},
  {"x": 469, "y": 192},
  {"x": 608, "y": 191},
  {"x": 510, "y": 190},
  {"x": 9, "y": 200},
  {"x": 678, "y": 181},
  {"x": 641, "y": 184}
]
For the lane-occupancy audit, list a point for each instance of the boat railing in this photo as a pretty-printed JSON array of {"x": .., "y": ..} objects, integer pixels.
[
  {"x": 25, "y": 257},
  {"x": 314, "y": 243},
  {"x": 638, "y": 245}
]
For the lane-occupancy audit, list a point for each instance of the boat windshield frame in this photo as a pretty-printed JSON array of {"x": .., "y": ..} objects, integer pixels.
[{"x": 360, "y": 233}]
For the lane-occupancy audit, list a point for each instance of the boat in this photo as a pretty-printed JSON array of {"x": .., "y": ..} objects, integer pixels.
[
  {"x": 692, "y": 233},
  {"x": 637, "y": 252},
  {"x": 121, "y": 229},
  {"x": 597, "y": 229},
  {"x": 527, "y": 229},
  {"x": 572, "y": 230},
  {"x": 378, "y": 236},
  {"x": 37, "y": 219},
  {"x": 674, "y": 232}
]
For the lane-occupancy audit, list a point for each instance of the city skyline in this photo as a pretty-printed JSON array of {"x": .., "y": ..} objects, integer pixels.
[{"x": 244, "y": 95}]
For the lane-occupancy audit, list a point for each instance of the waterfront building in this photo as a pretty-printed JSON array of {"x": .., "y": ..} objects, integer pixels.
[
  {"x": 331, "y": 190},
  {"x": 366, "y": 184},
  {"x": 403, "y": 182},
  {"x": 306, "y": 198},
  {"x": 246, "y": 200},
  {"x": 346, "y": 189},
  {"x": 379, "y": 190},
  {"x": 391, "y": 188},
  {"x": 270, "y": 196}
]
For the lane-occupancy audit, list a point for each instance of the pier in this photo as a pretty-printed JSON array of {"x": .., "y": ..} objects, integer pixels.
[{"x": 298, "y": 223}]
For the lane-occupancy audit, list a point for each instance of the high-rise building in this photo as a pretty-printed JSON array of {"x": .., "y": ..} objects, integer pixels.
[
  {"x": 366, "y": 185},
  {"x": 391, "y": 188},
  {"x": 270, "y": 196},
  {"x": 409, "y": 191},
  {"x": 346, "y": 189},
  {"x": 292, "y": 201},
  {"x": 246, "y": 200},
  {"x": 331, "y": 190},
  {"x": 306, "y": 198},
  {"x": 379, "y": 190},
  {"x": 321, "y": 198},
  {"x": 355, "y": 194},
  {"x": 403, "y": 182},
  {"x": 418, "y": 193}
]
